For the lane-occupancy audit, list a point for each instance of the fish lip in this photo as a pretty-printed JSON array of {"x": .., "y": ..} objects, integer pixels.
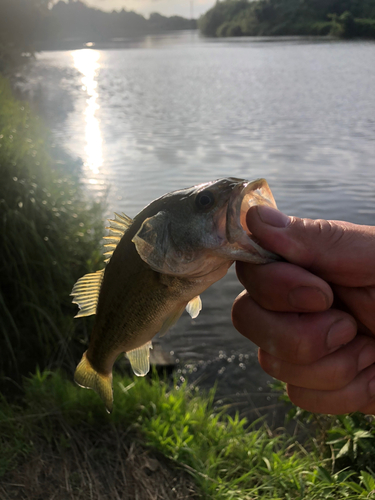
[
  {"x": 237, "y": 232},
  {"x": 233, "y": 215}
]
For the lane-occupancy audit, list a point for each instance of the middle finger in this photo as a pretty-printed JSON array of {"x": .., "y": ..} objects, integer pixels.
[{"x": 299, "y": 338}]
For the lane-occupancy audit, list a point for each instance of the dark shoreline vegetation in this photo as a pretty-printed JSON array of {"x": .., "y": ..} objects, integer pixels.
[
  {"x": 50, "y": 236},
  {"x": 336, "y": 18},
  {"x": 36, "y": 24}
]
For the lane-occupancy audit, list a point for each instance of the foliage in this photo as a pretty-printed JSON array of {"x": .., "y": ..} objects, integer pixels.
[
  {"x": 348, "y": 439},
  {"x": 50, "y": 236},
  {"x": 227, "y": 458},
  {"x": 348, "y": 18},
  {"x": 229, "y": 28},
  {"x": 346, "y": 26},
  {"x": 221, "y": 12}
]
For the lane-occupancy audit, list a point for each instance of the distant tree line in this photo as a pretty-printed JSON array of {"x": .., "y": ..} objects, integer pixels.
[
  {"x": 21, "y": 22},
  {"x": 342, "y": 18},
  {"x": 75, "y": 20},
  {"x": 28, "y": 24}
]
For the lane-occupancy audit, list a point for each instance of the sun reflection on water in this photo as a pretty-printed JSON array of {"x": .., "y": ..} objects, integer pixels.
[{"x": 86, "y": 62}]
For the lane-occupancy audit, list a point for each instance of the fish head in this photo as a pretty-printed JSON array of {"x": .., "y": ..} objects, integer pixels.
[{"x": 199, "y": 229}]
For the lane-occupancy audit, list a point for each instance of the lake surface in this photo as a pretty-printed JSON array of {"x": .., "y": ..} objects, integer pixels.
[{"x": 152, "y": 115}]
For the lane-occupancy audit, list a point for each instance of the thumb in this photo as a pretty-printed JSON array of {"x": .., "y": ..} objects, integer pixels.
[{"x": 339, "y": 252}]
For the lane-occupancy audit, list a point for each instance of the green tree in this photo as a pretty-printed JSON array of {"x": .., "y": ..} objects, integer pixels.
[
  {"x": 345, "y": 18},
  {"x": 220, "y": 13}
]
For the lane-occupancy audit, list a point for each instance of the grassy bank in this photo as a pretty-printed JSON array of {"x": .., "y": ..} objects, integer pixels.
[
  {"x": 60, "y": 440},
  {"x": 50, "y": 234}
]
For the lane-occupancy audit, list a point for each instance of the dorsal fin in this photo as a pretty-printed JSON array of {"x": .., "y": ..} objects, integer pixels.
[
  {"x": 117, "y": 228},
  {"x": 86, "y": 290},
  {"x": 86, "y": 293}
]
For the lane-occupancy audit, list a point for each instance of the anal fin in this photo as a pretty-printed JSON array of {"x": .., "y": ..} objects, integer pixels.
[{"x": 140, "y": 359}]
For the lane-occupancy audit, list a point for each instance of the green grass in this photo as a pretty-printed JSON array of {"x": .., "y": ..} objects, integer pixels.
[
  {"x": 50, "y": 233},
  {"x": 227, "y": 458}
]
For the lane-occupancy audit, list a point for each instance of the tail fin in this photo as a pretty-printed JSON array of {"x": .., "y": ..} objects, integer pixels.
[{"x": 86, "y": 376}]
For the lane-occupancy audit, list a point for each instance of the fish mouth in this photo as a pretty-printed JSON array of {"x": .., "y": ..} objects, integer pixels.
[{"x": 244, "y": 196}]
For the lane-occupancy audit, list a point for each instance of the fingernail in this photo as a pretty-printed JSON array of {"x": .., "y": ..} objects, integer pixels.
[
  {"x": 341, "y": 332},
  {"x": 308, "y": 298},
  {"x": 366, "y": 357},
  {"x": 273, "y": 217}
]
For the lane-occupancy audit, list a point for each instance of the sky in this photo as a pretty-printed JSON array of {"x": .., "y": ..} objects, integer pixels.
[{"x": 165, "y": 7}]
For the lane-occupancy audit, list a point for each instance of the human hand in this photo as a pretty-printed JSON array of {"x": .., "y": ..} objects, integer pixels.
[{"x": 313, "y": 317}]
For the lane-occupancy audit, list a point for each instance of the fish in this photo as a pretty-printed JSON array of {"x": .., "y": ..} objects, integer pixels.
[{"x": 157, "y": 265}]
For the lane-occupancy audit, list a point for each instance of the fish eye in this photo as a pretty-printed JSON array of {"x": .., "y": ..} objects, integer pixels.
[{"x": 204, "y": 200}]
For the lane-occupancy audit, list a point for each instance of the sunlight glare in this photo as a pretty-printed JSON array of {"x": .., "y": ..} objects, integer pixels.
[{"x": 86, "y": 62}]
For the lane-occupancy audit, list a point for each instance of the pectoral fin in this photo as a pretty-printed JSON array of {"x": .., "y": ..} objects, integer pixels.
[
  {"x": 140, "y": 359},
  {"x": 194, "y": 307}
]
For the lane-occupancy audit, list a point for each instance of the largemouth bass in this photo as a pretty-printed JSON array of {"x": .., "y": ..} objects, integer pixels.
[{"x": 158, "y": 264}]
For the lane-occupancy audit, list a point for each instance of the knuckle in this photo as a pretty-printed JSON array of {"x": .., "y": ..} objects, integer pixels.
[
  {"x": 330, "y": 231},
  {"x": 270, "y": 364},
  {"x": 244, "y": 273},
  {"x": 239, "y": 311},
  {"x": 303, "y": 348},
  {"x": 366, "y": 314},
  {"x": 297, "y": 395},
  {"x": 237, "y": 323},
  {"x": 320, "y": 230},
  {"x": 309, "y": 339},
  {"x": 309, "y": 400},
  {"x": 368, "y": 409},
  {"x": 298, "y": 349},
  {"x": 341, "y": 375}
]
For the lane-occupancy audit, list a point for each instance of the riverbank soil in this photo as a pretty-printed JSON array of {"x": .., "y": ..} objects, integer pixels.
[{"x": 97, "y": 467}]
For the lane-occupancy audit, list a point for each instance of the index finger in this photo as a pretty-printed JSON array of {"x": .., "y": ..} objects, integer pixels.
[{"x": 340, "y": 252}]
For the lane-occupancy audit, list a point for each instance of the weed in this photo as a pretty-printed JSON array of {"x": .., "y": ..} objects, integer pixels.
[{"x": 50, "y": 234}]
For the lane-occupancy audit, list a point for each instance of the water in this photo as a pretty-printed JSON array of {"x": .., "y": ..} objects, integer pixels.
[{"x": 166, "y": 112}]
